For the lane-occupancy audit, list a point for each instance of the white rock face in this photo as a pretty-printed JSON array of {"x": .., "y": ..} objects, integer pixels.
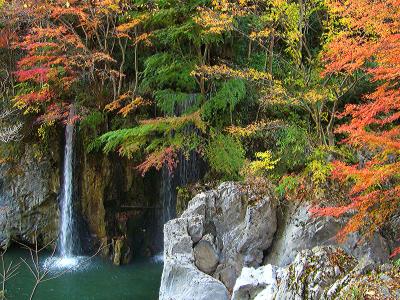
[
  {"x": 258, "y": 283},
  {"x": 219, "y": 234},
  {"x": 181, "y": 280}
]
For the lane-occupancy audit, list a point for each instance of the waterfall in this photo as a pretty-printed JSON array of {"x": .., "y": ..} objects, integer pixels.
[
  {"x": 189, "y": 170},
  {"x": 67, "y": 222},
  {"x": 167, "y": 195}
]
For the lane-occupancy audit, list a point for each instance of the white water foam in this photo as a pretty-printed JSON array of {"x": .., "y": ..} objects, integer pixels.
[
  {"x": 65, "y": 263},
  {"x": 158, "y": 259}
]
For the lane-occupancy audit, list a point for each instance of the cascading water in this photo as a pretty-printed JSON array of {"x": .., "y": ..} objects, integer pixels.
[
  {"x": 189, "y": 170},
  {"x": 67, "y": 240},
  {"x": 66, "y": 224}
]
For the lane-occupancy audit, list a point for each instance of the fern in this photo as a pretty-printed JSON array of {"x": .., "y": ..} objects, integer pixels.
[
  {"x": 169, "y": 101},
  {"x": 225, "y": 156},
  {"x": 229, "y": 95},
  {"x": 151, "y": 136},
  {"x": 166, "y": 71}
]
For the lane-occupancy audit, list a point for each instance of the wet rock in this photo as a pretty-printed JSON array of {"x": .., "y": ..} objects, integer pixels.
[
  {"x": 28, "y": 197},
  {"x": 205, "y": 255},
  {"x": 122, "y": 254}
]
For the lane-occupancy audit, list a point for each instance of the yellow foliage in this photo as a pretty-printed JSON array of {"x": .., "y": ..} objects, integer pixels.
[
  {"x": 247, "y": 131},
  {"x": 133, "y": 105},
  {"x": 264, "y": 162},
  {"x": 214, "y": 22},
  {"x": 219, "y": 71}
]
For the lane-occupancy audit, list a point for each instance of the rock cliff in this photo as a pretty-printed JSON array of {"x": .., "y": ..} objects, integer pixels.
[
  {"x": 221, "y": 232},
  {"x": 28, "y": 197},
  {"x": 229, "y": 244}
]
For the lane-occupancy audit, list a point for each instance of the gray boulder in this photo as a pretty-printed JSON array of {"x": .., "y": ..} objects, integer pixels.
[
  {"x": 181, "y": 279},
  {"x": 298, "y": 230},
  {"x": 220, "y": 233},
  {"x": 206, "y": 255},
  {"x": 258, "y": 283},
  {"x": 320, "y": 273}
]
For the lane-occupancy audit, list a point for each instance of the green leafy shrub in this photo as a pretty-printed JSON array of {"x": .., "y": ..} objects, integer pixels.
[
  {"x": 288, "y": 184},
  {"x": 225, "y": 156},
  {"x": 164, "y": 70},
  {"x": 231, "y": 93},
  {"x": 293, "y": 147},
  {"x": 92, "y": 121}
]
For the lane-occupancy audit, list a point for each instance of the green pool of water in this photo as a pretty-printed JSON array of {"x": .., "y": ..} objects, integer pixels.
[{"x": 97, "y": 279}]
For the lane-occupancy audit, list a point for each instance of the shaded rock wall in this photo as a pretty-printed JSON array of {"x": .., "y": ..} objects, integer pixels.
[
  {"x": 116, "y": 204},
  {"x": 112, "y": 202},
  {"x": 29, "y": 190}
]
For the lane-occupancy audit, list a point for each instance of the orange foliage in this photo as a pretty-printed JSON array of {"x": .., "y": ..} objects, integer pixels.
[
  {"x": 158, "y": 159},
  {"x": 63, "y": 43},
  {"x": 369, "y": 42}
]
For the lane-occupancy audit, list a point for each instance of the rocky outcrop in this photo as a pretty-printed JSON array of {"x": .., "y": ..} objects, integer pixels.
[
  {"x": 321, "y": 273},
  {"x": 28, "y": 197},
  {"x": 298, "y": 230},
  {"x": 221, "y": 232},
  {"x": 121, "y": 251},
  {"x": 181, "y": 279}
]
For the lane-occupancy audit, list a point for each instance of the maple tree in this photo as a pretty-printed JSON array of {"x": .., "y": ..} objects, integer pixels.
[
  {"x": 367, "y": 39},
  {"x": 68, "y": 44}
]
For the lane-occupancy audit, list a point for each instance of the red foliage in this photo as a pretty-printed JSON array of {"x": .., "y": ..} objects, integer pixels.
[
  {"x": 370, "y": 43},
  {"x": 7, "y": 37},
  {"x": 395, "y": 252},
  {"x": 158, "y": 159}
]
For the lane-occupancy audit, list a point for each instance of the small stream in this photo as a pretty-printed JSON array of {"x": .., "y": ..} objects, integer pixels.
[{"x": 98, "y": 280}]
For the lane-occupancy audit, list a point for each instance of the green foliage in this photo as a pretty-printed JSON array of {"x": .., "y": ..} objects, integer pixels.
[
  {"x": 225, "y": 156},
  {"x": 286, "y": 185},
  {"x": 231, "y": 93},
  {"x": 165, "y": 70},
  {"x": 168, "y": 101},
  {"x": 293, "y": 145},
  {"x": 92, "y": 121},
  {"x": 150, "y": 137},
  {"x": 397, "y": 263}
]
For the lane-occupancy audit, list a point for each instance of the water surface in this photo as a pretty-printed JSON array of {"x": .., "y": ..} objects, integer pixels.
[{"x": 98, "y": 280}]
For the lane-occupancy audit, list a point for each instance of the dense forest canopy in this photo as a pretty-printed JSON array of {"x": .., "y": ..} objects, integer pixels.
[{"x": 304, "y": 92}]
